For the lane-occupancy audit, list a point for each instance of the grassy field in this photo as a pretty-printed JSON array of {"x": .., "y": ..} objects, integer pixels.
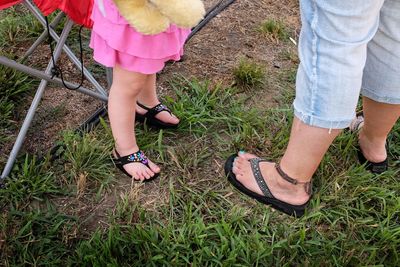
[{"x": 78, "y": 210}]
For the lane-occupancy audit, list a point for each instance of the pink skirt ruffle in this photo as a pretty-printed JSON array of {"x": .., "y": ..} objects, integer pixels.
[{"x": 114, "y": 42}]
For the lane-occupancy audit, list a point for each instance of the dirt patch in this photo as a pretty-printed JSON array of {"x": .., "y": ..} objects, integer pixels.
[{"x": 232, "y": 35}]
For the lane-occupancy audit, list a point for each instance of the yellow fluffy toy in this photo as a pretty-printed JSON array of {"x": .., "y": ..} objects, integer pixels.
[{"x": 155, "y": 16}]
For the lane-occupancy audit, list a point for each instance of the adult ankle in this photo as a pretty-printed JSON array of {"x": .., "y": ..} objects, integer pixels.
[
  {"x": 365, "y": 136},
  {"x": 373, "y": 149},
  {"x": 295, "y": 189}
]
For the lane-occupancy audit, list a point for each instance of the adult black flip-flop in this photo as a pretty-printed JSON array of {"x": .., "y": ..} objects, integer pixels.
[{"x": 267, "y": 198}]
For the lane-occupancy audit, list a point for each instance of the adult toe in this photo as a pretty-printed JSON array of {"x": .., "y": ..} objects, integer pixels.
[{"x": 246, "y": 156}]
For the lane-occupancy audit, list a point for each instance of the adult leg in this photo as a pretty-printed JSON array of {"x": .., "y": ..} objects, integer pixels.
[
  {"x": 379, "y": 119},
  {"x": 332, "y": 50},
  {"x": 381, "y": 84}
]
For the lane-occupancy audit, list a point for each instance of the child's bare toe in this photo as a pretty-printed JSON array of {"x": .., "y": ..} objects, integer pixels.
[
  {"x": 167, "y": 117},
  {"x": 140, "y": 176},
  {"x": 150, "y": 173},
  {"x": 135, "y": 175},
  {"x": 153, "y": 167},
  {"x": 147, "y": 173}
]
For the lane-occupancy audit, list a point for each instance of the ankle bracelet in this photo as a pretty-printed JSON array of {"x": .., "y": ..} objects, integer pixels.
[{"x": 307, "y": 185}]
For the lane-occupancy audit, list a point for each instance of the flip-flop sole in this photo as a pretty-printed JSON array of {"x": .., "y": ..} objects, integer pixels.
[
  {"x": 293, "y": 210},
  {"x": 374, "y": 167}
]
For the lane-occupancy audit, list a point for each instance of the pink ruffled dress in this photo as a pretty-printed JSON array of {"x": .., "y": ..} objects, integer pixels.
[{"x": 114, "y": 41}]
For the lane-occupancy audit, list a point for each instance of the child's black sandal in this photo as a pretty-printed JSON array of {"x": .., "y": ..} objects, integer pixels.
[
  {"x": 150, "y": 116},
  {"x": 138, "y": 157}
]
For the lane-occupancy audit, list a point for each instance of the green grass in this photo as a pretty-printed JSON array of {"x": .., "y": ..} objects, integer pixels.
[
  {"x": 35, "y": 238},
  {"x": 87, "y": 160},
  {"x": 290, "y": 54},
  {"x": 76, "y": 210},
  {"x": 197, "y": 218},
  {"x": 30, "y": 181},
  {"x": 274, "y": 29},
  {"x": 249, "y": 74},
  {"x": 13, "y": 87},
  {"x": 16, "y": 25}
]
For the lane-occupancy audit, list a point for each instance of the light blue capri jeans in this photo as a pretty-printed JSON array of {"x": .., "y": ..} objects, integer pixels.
[{"x": 346, "y": 46}]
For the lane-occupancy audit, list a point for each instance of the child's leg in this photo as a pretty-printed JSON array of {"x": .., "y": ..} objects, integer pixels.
[
  {"x": 121, "y": 109},
  {"x": 148, "y": 97}
]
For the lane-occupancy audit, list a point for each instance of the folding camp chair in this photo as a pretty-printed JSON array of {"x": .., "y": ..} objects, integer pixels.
[{"x": 77, "y": 11}]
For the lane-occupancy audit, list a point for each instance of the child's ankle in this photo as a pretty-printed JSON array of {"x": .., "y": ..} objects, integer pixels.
[
  {"x": 126, "y": 150},
  {"x": 149, "y": 102}
]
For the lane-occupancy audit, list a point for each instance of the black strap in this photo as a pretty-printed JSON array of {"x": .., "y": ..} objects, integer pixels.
[
  {"x": 131, "y": 158},
  {"x": 152, "y": 112},
  {"x": 307, "y": 185},
  {"x": 142, "y": 106},
  {"x": 255, "y": 167}
]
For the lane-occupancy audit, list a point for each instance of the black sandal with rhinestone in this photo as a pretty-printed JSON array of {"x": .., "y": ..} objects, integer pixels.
[
  {"x": 150, "y": 116},
  {"x": 138, "y": 157},
  {"x": 267, "y": 198}
]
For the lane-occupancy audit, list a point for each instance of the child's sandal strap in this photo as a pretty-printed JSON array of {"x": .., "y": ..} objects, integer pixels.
[
  {"x": 138, "y": 156},
  {"x": 152, "y": 112},
  {"x": 307, "y": 185}
]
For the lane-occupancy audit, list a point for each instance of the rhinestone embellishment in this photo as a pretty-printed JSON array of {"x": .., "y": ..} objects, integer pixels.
[{"x": 138, "y": 157}]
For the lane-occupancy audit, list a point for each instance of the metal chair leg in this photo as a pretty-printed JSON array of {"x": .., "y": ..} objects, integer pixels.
[
  {"x": 67, "y": 50},
  {"x": 42, "y": 37},
  {"x": 35, "y": 103}
]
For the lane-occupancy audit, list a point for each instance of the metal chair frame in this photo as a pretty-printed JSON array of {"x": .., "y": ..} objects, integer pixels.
[{"x": 46, "y": 77}]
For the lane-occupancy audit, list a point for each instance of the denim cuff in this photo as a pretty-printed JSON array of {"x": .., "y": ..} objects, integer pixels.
[
  {"x": 382, "y": 99},
  {"x": 321, "y": 122}
]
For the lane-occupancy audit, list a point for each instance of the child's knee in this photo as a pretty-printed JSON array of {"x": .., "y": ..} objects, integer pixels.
[
  {"x": 129, "y": 85},
  {"x": 128, "y": 90}
]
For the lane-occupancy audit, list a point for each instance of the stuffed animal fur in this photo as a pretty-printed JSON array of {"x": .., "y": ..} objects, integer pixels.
[{"x": 155, "y": 16}]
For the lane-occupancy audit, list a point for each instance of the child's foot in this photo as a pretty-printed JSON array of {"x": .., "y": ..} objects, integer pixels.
[
  {"x": 164, "y": 116},
  {"x": 134, "y": 163}
]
